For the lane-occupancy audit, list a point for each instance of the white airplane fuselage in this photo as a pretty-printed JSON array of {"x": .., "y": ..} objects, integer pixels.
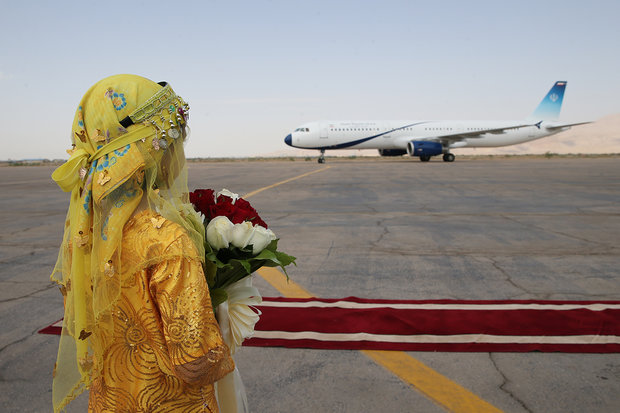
[
  {"x": 427, "y": 138},
  {"x": 396, "y": 134}
]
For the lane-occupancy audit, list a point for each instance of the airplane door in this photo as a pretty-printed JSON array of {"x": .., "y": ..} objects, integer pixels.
[
  {"x": 323, "y": 132},
  {"x": 385, "y": 128}
]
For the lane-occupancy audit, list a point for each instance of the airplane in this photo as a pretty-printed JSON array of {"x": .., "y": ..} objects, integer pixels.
[{"x": 426, "y": 139}]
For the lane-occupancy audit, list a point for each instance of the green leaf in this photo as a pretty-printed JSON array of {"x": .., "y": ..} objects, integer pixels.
[
  {"x": 285, "y": 259},
  {"x": 218, "y": 296},
  {"x": 227, "y": 266},
  {"x": 266, "y": 255},
  {"x": 247, "y": 266},
  {"x": 210, "y": 271}
]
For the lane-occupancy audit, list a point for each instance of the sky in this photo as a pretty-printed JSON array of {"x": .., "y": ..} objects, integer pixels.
[{"x": 253, "y": 71}]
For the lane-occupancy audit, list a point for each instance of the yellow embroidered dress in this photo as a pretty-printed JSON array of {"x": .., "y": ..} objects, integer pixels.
[
  {"x": 138, "y": 328},
  {"x": 165, "y": 350}
]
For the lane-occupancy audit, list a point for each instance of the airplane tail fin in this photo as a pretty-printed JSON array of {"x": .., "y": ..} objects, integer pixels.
[{"x": 549, "y": 107}]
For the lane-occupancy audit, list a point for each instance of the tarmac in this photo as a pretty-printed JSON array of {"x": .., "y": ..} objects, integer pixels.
[{"x": 499, "y": 228}]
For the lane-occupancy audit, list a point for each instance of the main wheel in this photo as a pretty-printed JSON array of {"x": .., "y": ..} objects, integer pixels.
[
  {"x": 425, "y": 158},
  {"x": 448, "y": 157}
]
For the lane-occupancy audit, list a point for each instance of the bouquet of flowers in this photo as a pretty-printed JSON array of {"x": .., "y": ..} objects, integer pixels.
[{"x": 238, "y": 241}]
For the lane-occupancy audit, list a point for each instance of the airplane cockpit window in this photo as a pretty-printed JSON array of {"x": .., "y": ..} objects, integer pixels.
[{"x": 302, "y": 130}]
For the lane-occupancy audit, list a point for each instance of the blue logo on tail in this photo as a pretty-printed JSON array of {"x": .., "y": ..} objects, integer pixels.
[{"x": 549, "y": 108}]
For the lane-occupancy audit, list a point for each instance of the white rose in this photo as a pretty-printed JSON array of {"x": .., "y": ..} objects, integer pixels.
[
  {"x": 229, "y": 194},
  {"x": 241, "y": 234},
  {"x": 261, "y": 237},
  {"x": 219, "y": 232}
]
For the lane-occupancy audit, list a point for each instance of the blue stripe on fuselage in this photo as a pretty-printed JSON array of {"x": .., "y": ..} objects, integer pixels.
[{"x": 357, "y": 142}]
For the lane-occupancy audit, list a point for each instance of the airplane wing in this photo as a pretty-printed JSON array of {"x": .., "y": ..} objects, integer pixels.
[
  {"x": 478, "y": 133},
  {"x": 564, "y": 125},
  {"x": 449, "y": 138}
]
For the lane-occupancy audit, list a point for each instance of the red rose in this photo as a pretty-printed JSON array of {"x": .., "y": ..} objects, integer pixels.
[
  {"x": 203, "y": 201},
  {"x": 240, "y": 211},
  {"x": 224, "y": 208},
  {"x": 243, "y": 204},
  {"x": 239, "y": 216},
  {"x": 249, "y": 213}
]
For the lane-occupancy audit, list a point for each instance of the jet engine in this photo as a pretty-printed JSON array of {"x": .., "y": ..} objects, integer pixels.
[
  {"x": 424, "y": 149},
  {"x": 392, "y": 152}
]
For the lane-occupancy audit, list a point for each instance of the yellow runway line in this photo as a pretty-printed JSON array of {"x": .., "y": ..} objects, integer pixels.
[
  {"x": 283, "y": 182},
  {"x": 433, "y": 385},
  {"x": 278, "y": 281}
]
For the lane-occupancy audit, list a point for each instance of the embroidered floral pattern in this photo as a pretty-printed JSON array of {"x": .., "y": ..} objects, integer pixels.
[
  {"x": 128, "y": 191},
  {"x": 90, "y": 174},
  {"x": 86, "y": 205},
  {"x": 80, "y": 117},
  {"x": 104, "y": 228},
  {"x": 118, "y": 100},
  {"x": 163, "y": 320},
  {"x": 106, "y": 162},
  {"x": 122, "y": 151}
]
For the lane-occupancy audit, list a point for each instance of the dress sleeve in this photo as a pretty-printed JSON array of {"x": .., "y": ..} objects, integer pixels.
[{"x": 195, "y": 345}]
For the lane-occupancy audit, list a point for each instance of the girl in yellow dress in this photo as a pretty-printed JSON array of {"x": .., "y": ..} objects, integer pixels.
[{"x": 139, "y": 330}]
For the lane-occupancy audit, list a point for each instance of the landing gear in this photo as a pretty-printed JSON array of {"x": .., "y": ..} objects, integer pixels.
[
  {"x": 448, "y": 157},
  {"x": 425, "y": 158},
  {"x": 322, "y": 156}
]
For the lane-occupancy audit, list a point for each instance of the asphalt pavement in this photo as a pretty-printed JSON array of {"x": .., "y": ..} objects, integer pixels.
[{"x": 501, "y": 228}]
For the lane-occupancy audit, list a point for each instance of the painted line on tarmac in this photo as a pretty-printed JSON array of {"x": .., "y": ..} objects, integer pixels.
[
  {"x": 283, "y": 182},
  {"x": 427, "y": 381},
  {"x": 433, "y": 385},
  {"x": 286, "y": 287}
]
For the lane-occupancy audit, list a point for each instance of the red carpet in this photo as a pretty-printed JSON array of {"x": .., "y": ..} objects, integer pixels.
[{"x": 437, "y": 325}]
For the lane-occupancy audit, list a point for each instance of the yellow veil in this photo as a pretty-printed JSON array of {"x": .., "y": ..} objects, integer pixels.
[{"x": 127, "y": 154}]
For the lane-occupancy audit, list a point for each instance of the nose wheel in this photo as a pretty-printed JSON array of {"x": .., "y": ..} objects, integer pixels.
[
  {"x": 322, "y": 156},
  {"x": 448, "y": 157}
]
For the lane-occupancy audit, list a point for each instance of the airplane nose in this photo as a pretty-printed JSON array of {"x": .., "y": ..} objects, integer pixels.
[{"x": 288, "y": 140}]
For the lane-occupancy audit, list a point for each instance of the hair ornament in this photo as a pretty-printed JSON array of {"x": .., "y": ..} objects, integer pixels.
[{"x": 174, "y": 133}]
